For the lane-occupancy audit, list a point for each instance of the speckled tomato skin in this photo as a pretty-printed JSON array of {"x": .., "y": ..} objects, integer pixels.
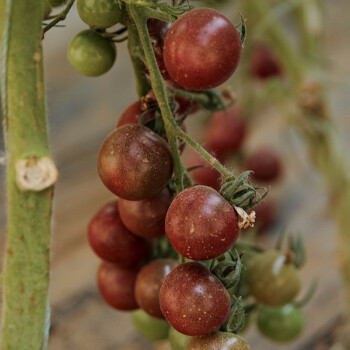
[
  {"x": 148, "y": 283},
  {"x": 266, "y": 164},
  {"x": 112, "y": 241},
  {"x": 218, "y": 341},
  {"x": 193, "y": 300},
  {"x": 202, "y": 49},
  {"x": 271, "y": 280},
  {"x": 134, "y": 163},
  {"x": 226, "y": 132},
  {"x": 116, "y": 285},
  {"x": 146, "y": 218},
  {"x": 201, "y": 224},
  {"x": 132, "y": 115}
]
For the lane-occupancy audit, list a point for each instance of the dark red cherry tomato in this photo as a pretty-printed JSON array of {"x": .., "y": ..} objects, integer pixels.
[
  {"x": 207, "y": 175},
  {"x": 134, "y": 163},
  {"x": 148, "y": 283},
  {"x": 272, "y": 279},
  {"x": 132, "y": 115},
  {"x": 201, "y": 224},
  {"x": 146, "y": 218},
  {"x": 116, "y": 285},
  {"x": 226, "y": 132},
  {"x": 266, "y": 213},
  {"x": 157, "y": 29},
  {"x": 264, "y": 64},
  {"x": 281, "y": 324},
  {"x": 266, "y": 164},
  {"x": 218, "y": 341},
  {"x": 202, "y": 49},
  {"x": 112, "y": 241},
  {"x": 193, "y": 300}
]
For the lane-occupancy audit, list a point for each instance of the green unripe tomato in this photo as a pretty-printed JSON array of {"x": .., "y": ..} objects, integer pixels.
[
  {"x": 90, "y": 54},
  {"x": 101, "y": 13},
  {"x": 281, "y": 324},
  {"x": 178, "y": 341},
  {"x": 150, "y": 327},
  {"x": 272, "y": 279},
  {"x": 56, "y": 3}
]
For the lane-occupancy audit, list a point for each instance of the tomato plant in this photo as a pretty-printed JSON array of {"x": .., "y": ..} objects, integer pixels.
[
  {"x": 112, "y": 241},
  {"x": 188, "y": 43},
  {"x": 201, "y": 224},
  {"x": 281, "y": 324},
  {"x": 148, "y": 283},
  {"x": 193, "y": 300},
  {"x": 134, "y": 163},
  {"x": 90, "y": 54}
]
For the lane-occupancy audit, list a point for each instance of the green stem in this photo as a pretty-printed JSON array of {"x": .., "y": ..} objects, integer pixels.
[
  {"x": 60, "y": 17},
  {"x": 26, "y": 273},
  {"x": 137, "y": 59}
]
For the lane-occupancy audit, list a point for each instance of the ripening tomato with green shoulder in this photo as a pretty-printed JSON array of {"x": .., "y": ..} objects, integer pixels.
[
  {"x": 218, "y": 341},
  {"x": 272, "y": 278},
  {"x": 90, "y": 54},
  {"x": 281, "y": 324},
  {"x": 150, "y": 327}
]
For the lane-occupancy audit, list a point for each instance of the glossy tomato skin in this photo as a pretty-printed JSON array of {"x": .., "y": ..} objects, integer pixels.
[
  {"x": 202, "y": 49},
  {"x": 281, "y": 324},
  {"x": 151, "y": 328},
  {"x": 272, "y": 280},
  {"x": 264, "y": 64},
  {"x": 134, "y": 163},
  {"x": 90, "y": 54},
  {"x": 146, "y": 218},
  {"x": 218, "y": 341},
  {"x": 112, "y": 241},
  {"x": 100, "y": 14},
  {"x": 226, "y": 132},
  {"x": 116, "y": 285},
  {"x": 178, "y": 341},
  {"x": 193, "y": 300},
  {"x": 207, "y": 175},
  {"x": 266, "y": 164},
  {"x": 148, "y": 283},
  {"x": 201, "y": 224}
]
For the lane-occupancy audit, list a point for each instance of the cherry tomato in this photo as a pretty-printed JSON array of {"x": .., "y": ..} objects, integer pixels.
[
  {"x": 193, "y": 300},
  {"x": 146, "y": 218},
  {"x": 266, "y": 213},
  {"x": 158, "y": 29},
  {"x": 201, "y": 224},
  {"x": 132, "y": 115},
  {"x": 281, "y": 324},
  {"x": 178, "y": 341},
  {"x": 116, "y": 285},
  {"x": 101, "y": 13},
  {"x": 90, "y": 54},
  {"x": 151, "y": 328},
  {"x": 202, "y": 49},
  {"x": 264, "y": 64},
  {"x": 112, "y": 241},
  {"x": 272, "y": 279},
  {"x": 226, "y": 132},
  {"x": 148, "y": 283},
  {"x": 207, "y": 175},
  {"x": 218, "y": 341},
  {"x": 134, "y": 163},
  {"x": 266, "y": 164}
]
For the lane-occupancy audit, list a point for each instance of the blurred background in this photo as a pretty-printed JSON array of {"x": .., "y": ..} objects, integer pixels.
[{"x": 82, "y": 111}]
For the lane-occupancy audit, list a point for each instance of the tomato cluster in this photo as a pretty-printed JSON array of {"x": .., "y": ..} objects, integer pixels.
[{"x": 168, "y": 255}]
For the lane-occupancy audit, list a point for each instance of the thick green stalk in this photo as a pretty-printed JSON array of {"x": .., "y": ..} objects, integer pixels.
[{"x": 26, "y": 273}]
